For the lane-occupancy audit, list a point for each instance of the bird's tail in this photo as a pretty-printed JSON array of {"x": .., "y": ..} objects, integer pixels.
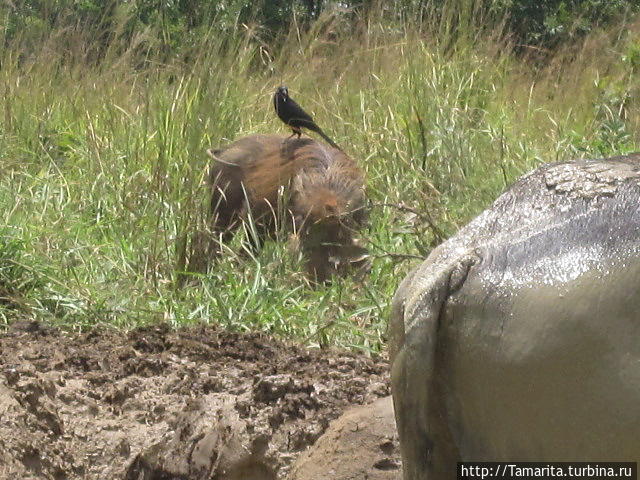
[{"x": 327, "y": 139}]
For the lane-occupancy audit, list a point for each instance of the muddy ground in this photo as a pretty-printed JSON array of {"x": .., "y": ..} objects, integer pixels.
[{"x": 199, "y": 403}]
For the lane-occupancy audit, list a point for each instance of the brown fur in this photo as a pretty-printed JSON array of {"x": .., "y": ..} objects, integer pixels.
[{"x": 320, "y": 188}]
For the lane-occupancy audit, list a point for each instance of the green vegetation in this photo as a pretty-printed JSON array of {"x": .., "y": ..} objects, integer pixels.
[
  {"x": 170, "y": 26},
  {"x": 103, "y": 138}
]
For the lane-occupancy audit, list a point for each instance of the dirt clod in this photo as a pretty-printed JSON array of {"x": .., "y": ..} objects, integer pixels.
[
  {"x": 361, "y": 444},
  {"x": 197, "y": 403}
]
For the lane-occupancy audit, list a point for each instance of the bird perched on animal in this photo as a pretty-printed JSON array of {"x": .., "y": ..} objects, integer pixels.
[{"x": 293, "y": 115}]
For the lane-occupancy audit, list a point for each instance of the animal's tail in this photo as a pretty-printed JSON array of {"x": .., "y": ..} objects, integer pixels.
[
  {"x": 416, "y": 331},
  {"x": 326, "y": 138}
]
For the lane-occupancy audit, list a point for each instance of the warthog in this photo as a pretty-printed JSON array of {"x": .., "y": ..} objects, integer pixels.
[{"x": 316, "y": 191}]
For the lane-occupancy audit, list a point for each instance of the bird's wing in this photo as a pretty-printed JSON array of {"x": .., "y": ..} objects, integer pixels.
[
  {"x": 297, "y": 113},
  {"x": 304, "y": 123}
]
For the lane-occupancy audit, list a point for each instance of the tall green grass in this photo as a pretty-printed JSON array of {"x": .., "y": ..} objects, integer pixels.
[{"x": 102, "y": 180}]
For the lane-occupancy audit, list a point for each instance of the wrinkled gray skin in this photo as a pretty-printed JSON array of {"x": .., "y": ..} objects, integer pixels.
[{"x": 519, "y": 338}]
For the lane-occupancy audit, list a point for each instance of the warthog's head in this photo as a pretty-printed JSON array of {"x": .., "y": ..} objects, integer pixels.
[{"x": 329, "y": 209}]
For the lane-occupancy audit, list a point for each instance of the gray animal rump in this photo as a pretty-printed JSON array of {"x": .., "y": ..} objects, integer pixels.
[{"x": 519, "y": 338}]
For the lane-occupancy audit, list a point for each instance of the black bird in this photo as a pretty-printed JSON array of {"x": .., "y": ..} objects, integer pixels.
[{"x": 294, "y": 116}]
